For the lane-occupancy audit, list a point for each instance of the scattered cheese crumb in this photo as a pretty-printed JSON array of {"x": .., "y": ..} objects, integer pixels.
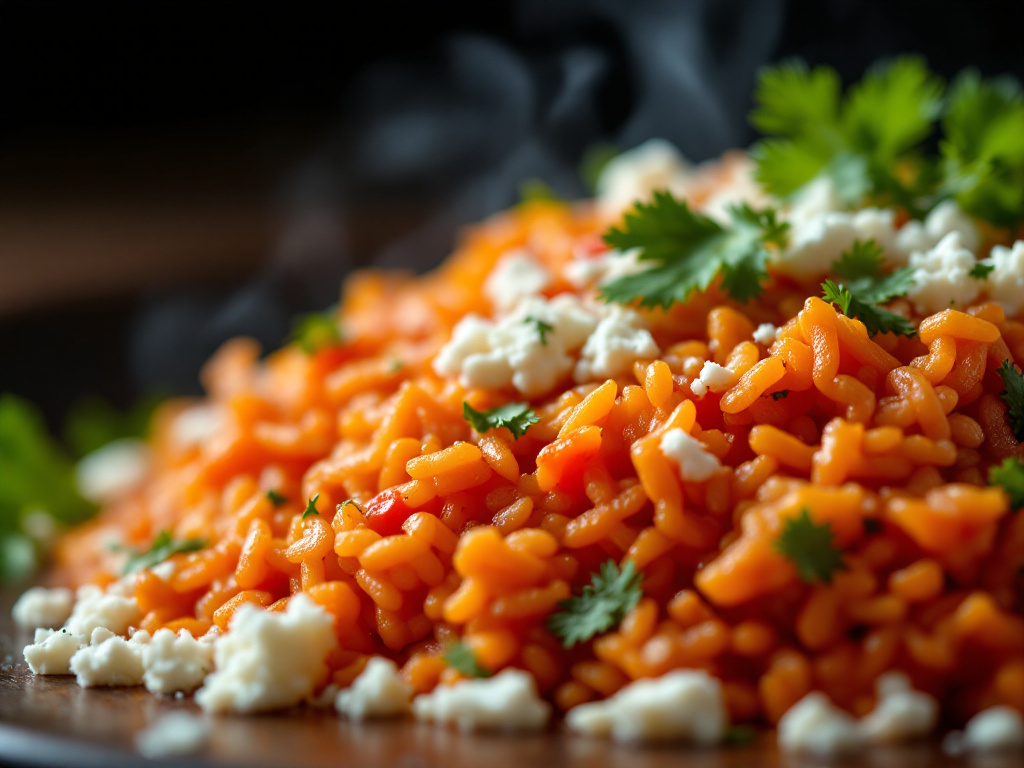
[
  {"x": 51, "y": 652},
  {"x": 713, "y": 377},
  {"x": 113, "y": 470},
  {"x": 680, "y": 706},
  {"x": 619, "y": 340},
  {"x": 378, "y": 692},
  {"x": 816, "y": 726},
  {"x": 766, "y": 334},
  {"x": 197, "y": 424},
  {"x": 942, "y": 276},
  {"x": 588, "y": 271},
  {"x": 946, "y": 217},
  {"x": 173, "y": 735},
  {"x": 506, "y": 702},
  {"x": 109, "y": 660},
  {"x": 995, "y": 729},
  {"x": 175, "y": 662},
  {"x": 818, "y": 241},
  {"x": 516, "y": 276},
  {"x": 95, "y": 607},
  {"x": 902, "y": 714},
  {"x": 269, "y": 661},
  {"x": 1006, "y": 281},
  {"x": 634, "y": 175},
  {"x": 696, "y": 464},
  {"x": 42, "y": 607}
]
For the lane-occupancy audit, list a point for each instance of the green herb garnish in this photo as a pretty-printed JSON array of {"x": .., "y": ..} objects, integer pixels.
[
  {"x": 316, "y": 331},
  {"x": 1013, "y": 396},
  {"x": 163, "y": 547},
  {"x": 865, "y": 288},
  {"x": 782, "y": 394},
  {"x": 810, "y": 548},
  {"x": 601, "y": 605},
  {"x": 1010, "y": 477},
  {"x": 461, "y": 658},
  {"x": 688, "y": 251},
  {"x": 543, "y": 329},
  {"x": 981, "y": 270},
  {"x": 516, "y": 417},
  {"x": 311, "y": 507},
  {"x": 276, "y": 498}
]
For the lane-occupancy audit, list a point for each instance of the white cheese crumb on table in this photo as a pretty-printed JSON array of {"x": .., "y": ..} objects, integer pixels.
[
  {"x": 379, "y": 691},
  {"x": 902, "y": 714},
  {"x": 515, "y": 276},
  {"x": 679, "y": 706},
  {"x": 108, "y": 661},
  {"x": 175, "y": 662},
  {"x": 173, "y": 735},
  {"x": 51, "y": 651},
  {"x": 269, "y": 661},
  {"x": 96, "y": 608},
  {"x": 42, "y": 607},
  {"x": 815, "y": 725},
  {"x": 995, "y": 729},
  {"x": 506, "y": 702},
  {"x": 696, "y": 463}
]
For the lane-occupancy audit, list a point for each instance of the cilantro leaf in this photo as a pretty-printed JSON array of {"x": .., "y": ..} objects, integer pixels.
[
  {"x": 858, "y": 141},
  {"x": 782, "y": 394},
  {"x": 983, "y": 149},
  {"x": 163, "y": 547},
  {"x": 516, "y": 417},
  {"x": 810, "y": 548},
  {"x": 866, "y": 287},
  {"x": 311, "y": 507},
  {"x": 691, "y": 250},
  {"x": 981, "y": 270},
  {"x": 1013, "y": 396},
  {"x": 1010, "y": 477},
  {"x": 316, "y": 331},
  {"x": 277, "y": 499},
  {"x": 601, "y": 605},
  {"x": 543, "y": 329},
  {"x": 461, "y": 658}
]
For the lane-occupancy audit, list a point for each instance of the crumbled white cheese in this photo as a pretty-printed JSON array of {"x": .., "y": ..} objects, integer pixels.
[
  {"x": 815, "y": 199},
  {"x": 506, "y": 702},
  {"x": 113, "y": 470},
  {"x": 173, "y": 735},
  {"x": 635, "y": 174},
  {"x": 619, "y": 340},
  {"x": 516, "y": 275},
  {"x": 513, "y": 351},
  {"x": 42, "y": 607},
  {"x": 588, "y": 271},
  {"x": 95, "y": 607},
  {"x": 696, "y": 464},
  {"x": 1006, "y": 280},
  {"x": 902, "y": 714},
  {"x": 378, "y": 692},
  {"x": 946, "y": 217},
  {"x": 713, "y": 377},
  {"x": 740, "y": 186},
  {"x": 994, "y": 729},
  {"x": 175, "y": 662},
  {"x": 109, "y": 660},
  {"x": 196, "y": 424},
  {"x": 683, "y": 705},
  {"x": 269, "y": 661},
  {"x": 818, "y": 241},
  {"x": 51, "y": 652},
  {"x": 766, "y": 334},
  {"x": 942, "y": 276},
  {"x": 816, "y": 726}
]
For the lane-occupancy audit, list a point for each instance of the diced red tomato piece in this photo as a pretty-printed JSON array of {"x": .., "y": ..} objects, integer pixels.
[{"x": 386, "y": 512}]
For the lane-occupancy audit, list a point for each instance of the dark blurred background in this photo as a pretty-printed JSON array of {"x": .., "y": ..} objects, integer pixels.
[{"x": 175, "y": 173}]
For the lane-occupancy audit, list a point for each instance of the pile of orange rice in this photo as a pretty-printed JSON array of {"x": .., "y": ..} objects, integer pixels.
[{"x": 457, "y": 535}]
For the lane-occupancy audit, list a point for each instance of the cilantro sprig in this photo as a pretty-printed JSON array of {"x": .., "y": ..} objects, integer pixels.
[
  {"x": 276, "y": 498},
  {"x": 865, "y": 288},
  {"x": 1013, "y": 396},
  {"x": 600, "y": 606},
  {"x": 873, "y": 140},
  {"x": 689, "y": 250},
  {"x": 1010, "y": 477},
  {"x": 810, "y": 547},
  {"x": 163, "y": 547},
  {"x": 462, "y": 659},
  {"x": 516, "y": 417}
]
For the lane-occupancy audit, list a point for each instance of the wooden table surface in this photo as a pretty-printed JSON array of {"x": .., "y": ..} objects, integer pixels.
[{"x": 50, "y": 721}]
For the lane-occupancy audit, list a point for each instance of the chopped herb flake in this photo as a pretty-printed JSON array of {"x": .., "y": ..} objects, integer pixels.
[
  {"x": 516, "y": 417},
  {"x": 311, "y": 507},
  {"x": 810, "y": 548},
  {"x": 981, "y": 270},
  {"x": 461, "y": 658},
  {"x": 276, "y": 498},
  {"x": 163, "y": 547},
  {"x": 543, "y": 329},
  {"x": 1010, "y": 477},
  {"x": 601, "y": 605},
  {"x": 782, "y": 394},
  {"x": 316, "y": 331},
  {"x": 1013, "y": 396}
]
